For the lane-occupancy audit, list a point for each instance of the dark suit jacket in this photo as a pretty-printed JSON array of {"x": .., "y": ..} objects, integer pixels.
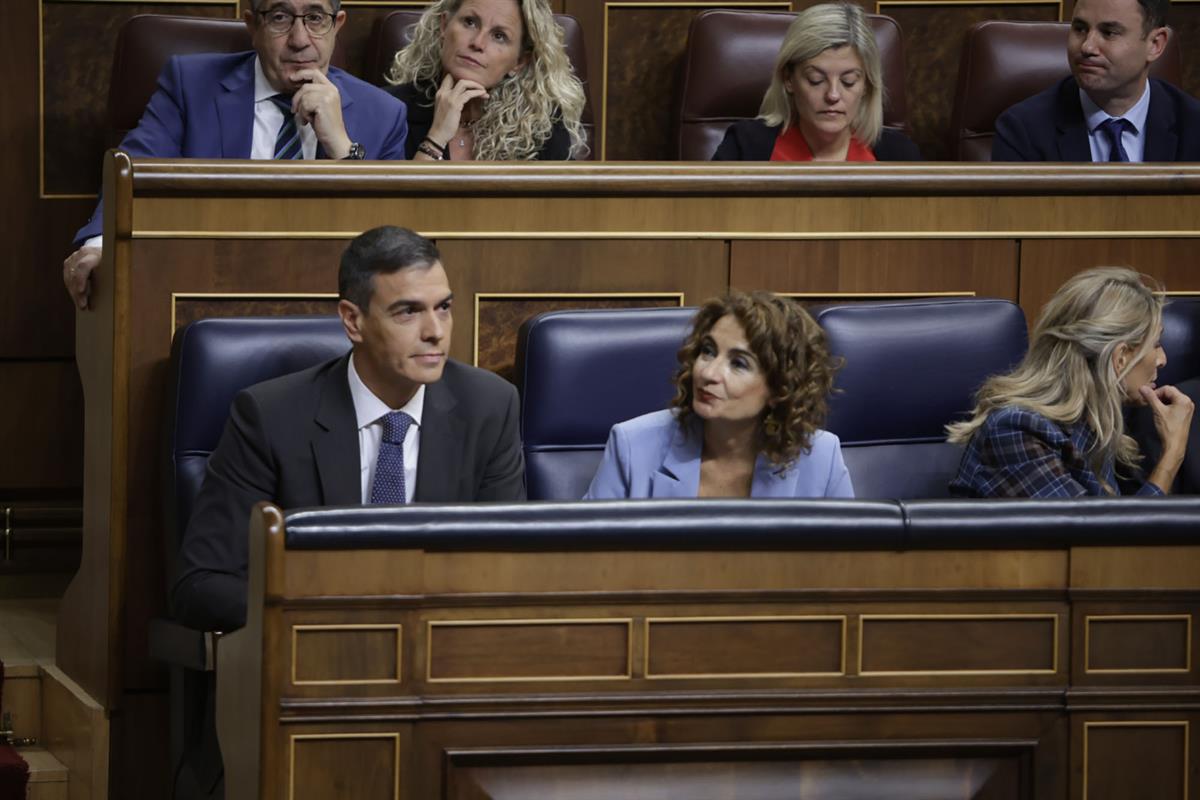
[
  {"x": 753, "y": 140},
  {"x": 420, "y": 119},
  {"x": 1050, "y": 126},
  {"x": 294, "y": 441},
  {"x": 204, "y": 108}
]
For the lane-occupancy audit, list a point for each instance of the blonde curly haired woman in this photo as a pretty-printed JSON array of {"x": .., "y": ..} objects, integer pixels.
[
  {"x": 1054, "y": 426},
  {"x": 489, "y": 80}
]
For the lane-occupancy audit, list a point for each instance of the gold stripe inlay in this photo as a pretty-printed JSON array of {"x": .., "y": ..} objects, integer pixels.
[
  {"x": 650, "y": 621},
  {"x": 395, "y": 737},
  {"x": 1122, "y": 618},
  {"x": 864, "y": 618},
  {"x": 1187, "y": 750},
  {"x": 396, "y": 628},
  {"x": 177, "y": 296}
]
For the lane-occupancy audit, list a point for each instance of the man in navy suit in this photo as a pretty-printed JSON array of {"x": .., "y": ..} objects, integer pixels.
[
  {"x": 282, "y": 100},
  {"x": 1108, "y": 109}
]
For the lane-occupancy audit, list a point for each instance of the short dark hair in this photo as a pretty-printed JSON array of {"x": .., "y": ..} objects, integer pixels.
[
  {"x": 1154, "y": 14},
  {"x": 255, "y": 5},
  {"x": 385, "y": 249},
  {"x": 791, "y": 351}
]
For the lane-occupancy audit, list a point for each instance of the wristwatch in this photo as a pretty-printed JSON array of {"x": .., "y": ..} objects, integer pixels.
[{"x": 357, "y": 152}]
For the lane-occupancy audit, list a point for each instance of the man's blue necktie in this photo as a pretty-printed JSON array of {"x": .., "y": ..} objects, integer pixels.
[
  {"x": 388, "y": 488},
  {"x": 287, "y": 143},
  {"x": 1113, "y": 127}
]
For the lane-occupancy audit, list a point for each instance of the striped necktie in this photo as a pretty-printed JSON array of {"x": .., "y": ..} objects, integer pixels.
[{"x": 287, "y": 143}]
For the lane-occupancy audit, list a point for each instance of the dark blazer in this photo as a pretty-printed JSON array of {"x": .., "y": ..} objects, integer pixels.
[
  {"x": 753, "y": 140},
  {"x": 1020, "y": 453},
  {"x": 204, "y": 108},
  {"x": 420, "y": 119},
  {"x": 1050, "y": 126},
  {"x": 294, "y": 441}
]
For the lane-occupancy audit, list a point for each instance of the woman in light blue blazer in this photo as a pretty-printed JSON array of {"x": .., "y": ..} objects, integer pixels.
[{"x": 751, "y": 393}]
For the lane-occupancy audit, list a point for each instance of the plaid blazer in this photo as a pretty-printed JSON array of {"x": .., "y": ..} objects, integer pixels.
[{"x": 1020, "y": 453}]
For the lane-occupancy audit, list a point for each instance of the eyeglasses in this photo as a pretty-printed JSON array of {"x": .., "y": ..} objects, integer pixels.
[{"x": 280, "y": 21}]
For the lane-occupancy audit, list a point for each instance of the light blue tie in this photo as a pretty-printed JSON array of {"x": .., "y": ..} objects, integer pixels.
[
  {"x": 388, "y": 488},
  {"x": 287, "y": 143}
]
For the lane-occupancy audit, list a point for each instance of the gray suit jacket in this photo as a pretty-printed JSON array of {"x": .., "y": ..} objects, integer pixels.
[{"x": 294, "y": 441}]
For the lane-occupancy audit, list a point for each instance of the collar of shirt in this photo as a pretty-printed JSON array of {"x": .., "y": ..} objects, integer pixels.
[
  {"x": 369, "y": 409},
  {"x": 1133, "y": 140},
  {"x": 268, "y": 117}
]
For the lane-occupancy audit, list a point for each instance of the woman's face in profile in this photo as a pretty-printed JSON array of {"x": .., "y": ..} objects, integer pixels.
[
  {"x": 826, "y": 92},
  {"x": 1144, "y": 372},
  {"x": 481, "y": 42},
  {"x": 728, "y": 383}
]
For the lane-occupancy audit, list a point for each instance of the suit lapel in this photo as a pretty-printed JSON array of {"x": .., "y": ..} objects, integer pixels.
[
  {"x": 679, "y": 474},
  {"x": 438, "y": 464},
  {"x": 235, "y": 110},
  {"x": 1160, "y": 139},
  {"x": 335, "y": 440},
  {"x": 1071, "y": 129},
  {"x": 768, "y": 483}
]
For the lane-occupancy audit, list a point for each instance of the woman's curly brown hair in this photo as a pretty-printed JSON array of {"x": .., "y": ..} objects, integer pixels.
[{"x": 791, "y": 352}]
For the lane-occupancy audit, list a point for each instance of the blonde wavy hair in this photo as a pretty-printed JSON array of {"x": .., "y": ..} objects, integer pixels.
[
  {"x": 1068, "y": 374},
  {"x": 521, "y": 110},
  {"x": 790, "y": 349},
  {"x": 815, "y": 30}
]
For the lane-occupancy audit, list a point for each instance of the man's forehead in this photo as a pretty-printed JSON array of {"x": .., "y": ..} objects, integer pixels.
[{"x": 298, "y": 6}]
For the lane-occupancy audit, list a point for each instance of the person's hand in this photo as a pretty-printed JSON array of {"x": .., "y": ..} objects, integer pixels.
[
  {"x": 452, "y": 98},
  {"x": 77, "y": 272},
  {"x": 1172, "y": 417},
  {"x": 318, "y": 103}
]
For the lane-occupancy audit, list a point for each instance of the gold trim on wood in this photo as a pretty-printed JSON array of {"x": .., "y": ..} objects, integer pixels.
[
  {"x": 482, "y": 623},
  {"x": 41, "y": 34},
  {"x": 395, "y": 737},
  {"x": 786, "y": 6},
  {"x": 1150, "y": 723},
  {"x": 177, "y": 296},
  {"x": 799, "y": 236},
  {"x": 677, "y": 296},
  {"x": 394, "y": 627},
  {"x": 872, "y": 295},
  {"x": 863, "y": 618},
  {"x": 1118, "y": 618},
  {"x": 650, "y": 621}
]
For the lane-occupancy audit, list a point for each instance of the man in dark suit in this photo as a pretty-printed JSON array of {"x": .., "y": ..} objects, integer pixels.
[
  {"x": 393, "y": 421},
  {"x": 282, "y": 101},
  {"x": 1108, "y": 109}
]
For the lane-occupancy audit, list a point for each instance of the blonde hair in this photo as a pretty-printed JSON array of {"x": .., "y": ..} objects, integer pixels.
[
  {"x": 521, "y": 110},
  {"x": 815, "y": 30},
  {"x": 1068, "y": 374}
]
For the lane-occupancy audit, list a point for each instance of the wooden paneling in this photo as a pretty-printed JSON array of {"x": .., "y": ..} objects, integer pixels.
[
  {"x": 829, "y": 269},
  {"x": 1184, "y": 19},
  {"x": 1145, "y": 759},
  {"x": 42, "y": 435},
  {"x": 1047, "y": 263},
  {"x": 78, "y": 40},
  {"x": 360, "y": 766},
  {"x": 76, "y": 732},
  {"x": 697, "y": 648},
  {"x": 508, "y": 650},
  {"x": 933, "y": 35},
  {"x": 337, "y": 654},
  {"x": 1138, "y": 643},
  {"x": 925, "y": 644}
]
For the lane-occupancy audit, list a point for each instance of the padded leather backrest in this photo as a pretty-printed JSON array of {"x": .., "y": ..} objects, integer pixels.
[
  {"x": 911, "y": 368},
  {"x": 1181, "y": 340},
  {"x": 1002, "y": 63},
  {"x": 145, "y": 43},
  {"x": 727, "y": 69},
  {"x": 580, "y": 373},
  {"x": 391, "y": 33},
  {"x": 211, "y": 361}
]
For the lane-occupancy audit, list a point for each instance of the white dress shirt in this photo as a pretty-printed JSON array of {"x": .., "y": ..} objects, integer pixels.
[
  {"x": 1133, "y": 138},
  {"x": 369, "y": 412},
  {"x": 268, "y": 118}
]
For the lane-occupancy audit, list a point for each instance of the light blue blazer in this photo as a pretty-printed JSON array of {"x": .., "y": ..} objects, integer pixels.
[{"x": 654, "y": 456}]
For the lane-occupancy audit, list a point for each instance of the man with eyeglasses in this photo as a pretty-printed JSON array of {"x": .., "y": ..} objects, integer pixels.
[{"x": 280, "y": 101}]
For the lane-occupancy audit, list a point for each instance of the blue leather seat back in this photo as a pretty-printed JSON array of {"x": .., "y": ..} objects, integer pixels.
[
  {"x": 580, "y": 373},
  {"x": 211, "y": 361},
  {"x": 1181, "y": 340},
  {"x": 910, "y": 368}
]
